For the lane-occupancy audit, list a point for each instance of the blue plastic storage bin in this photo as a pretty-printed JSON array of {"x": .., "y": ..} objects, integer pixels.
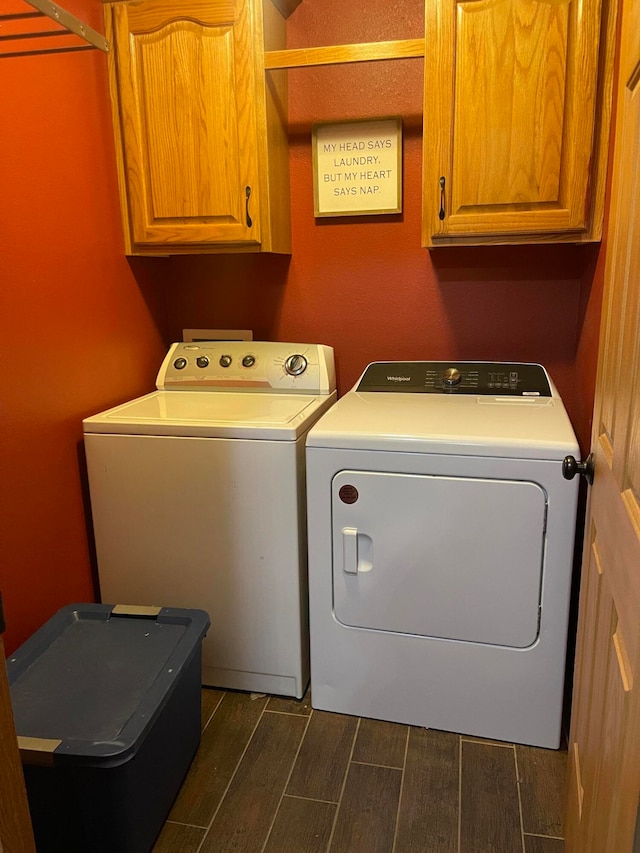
[{"x": 107, "y": 711}]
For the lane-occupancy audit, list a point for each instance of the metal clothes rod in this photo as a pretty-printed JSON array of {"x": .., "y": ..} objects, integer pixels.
[
  {"x": 62, "y": 17},
  {"x": 45, "y": 51}
]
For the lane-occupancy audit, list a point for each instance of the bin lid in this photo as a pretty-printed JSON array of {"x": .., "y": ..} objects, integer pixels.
[{"x": 94, "y": 678}]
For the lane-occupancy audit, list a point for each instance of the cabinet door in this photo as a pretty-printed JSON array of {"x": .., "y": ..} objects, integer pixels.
[
  {"x": 187, "y": 115},
  {"x": 510, "y": 96}
]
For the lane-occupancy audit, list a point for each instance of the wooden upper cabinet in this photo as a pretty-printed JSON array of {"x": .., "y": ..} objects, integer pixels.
[
  {"x": 516, "y": 118},
  {"x": 201, "y": 139}
]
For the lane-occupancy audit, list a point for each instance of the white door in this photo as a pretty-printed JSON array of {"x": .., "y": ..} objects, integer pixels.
[{"x": 459, "y": 558}]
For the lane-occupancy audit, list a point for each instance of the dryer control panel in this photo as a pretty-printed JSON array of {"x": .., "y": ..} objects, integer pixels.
[{"x": 495, "y": 379}]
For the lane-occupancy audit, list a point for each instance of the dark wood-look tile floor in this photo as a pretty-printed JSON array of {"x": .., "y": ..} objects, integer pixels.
[{"x": 273, "y": 776}]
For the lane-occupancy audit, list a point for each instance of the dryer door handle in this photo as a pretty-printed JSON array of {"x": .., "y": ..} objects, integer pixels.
[{"x": 350, "y": 550}]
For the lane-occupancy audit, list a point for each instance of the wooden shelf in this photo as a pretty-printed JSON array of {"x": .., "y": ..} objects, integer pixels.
[{"x": 343, "y": 53}]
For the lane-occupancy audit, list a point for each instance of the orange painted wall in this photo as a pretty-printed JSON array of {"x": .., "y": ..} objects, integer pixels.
[
  {"x": 363, "y": 284},
  {"x": 81, "y": 328}
]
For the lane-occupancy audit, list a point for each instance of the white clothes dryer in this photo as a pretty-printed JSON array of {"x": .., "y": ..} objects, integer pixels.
[
  {"x": 441, "y": 538},
  {"x": 198, "y": 500}
]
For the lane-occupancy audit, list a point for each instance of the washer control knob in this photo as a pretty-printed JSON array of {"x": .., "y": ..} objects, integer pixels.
[
  {"x": 202, "y": 361},
  {"x": 248, "y": 361},
  {"x": 295, "y": 365},
  {"x": 451, "y": 377},
  {"x": 225, "y": 360},
  {"x": 180, "y": 363}
]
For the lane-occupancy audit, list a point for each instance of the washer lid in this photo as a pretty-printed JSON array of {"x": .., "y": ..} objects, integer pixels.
[
  {"x": 198, "y": 413},
  {"x": 516, "y": 427}
]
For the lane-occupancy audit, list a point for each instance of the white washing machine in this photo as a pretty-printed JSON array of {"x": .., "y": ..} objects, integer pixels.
[
  {"x": 441, "y": 536},
  {"x": 198, "y": 500}
]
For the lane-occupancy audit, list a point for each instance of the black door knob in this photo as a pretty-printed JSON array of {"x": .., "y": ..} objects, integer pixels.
[{"x": 570, "y": 467}]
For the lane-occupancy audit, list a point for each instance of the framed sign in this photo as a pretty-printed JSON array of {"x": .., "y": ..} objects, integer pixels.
[{"x": 357, "y": 167}]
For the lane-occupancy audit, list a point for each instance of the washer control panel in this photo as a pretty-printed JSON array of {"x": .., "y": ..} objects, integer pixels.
[
  {"x": 248, "y": 366},
  {"x": 496, "y": 379}
]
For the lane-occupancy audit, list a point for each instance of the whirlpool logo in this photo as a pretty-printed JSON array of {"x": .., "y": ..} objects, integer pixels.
[{"x": 398, "y": 379}]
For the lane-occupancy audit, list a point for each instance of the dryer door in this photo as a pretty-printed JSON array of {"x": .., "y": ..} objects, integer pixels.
[{"x": 451, "y": 557}]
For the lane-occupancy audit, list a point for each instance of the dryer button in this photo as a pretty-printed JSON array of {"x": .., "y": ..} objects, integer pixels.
[
  {"x": 202, "y": 361},
  {"x": 348, "y": 494},
  {"x": 180, "y": 363}
]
